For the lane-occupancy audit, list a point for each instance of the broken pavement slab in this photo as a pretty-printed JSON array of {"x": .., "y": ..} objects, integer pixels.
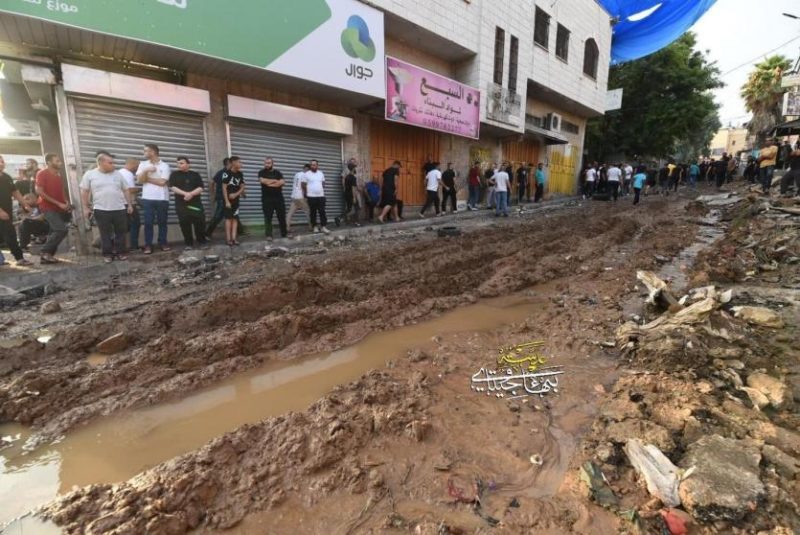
[{"x": 725, "y": 484}]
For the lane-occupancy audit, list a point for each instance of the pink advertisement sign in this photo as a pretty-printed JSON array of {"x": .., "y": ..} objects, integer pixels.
[{"x": 420, "y": 97}]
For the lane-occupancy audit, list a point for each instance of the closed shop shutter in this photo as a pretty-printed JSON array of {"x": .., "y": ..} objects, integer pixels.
[
  {"x": 291, "y": 148},
  {"x": 122, "y": 129}
]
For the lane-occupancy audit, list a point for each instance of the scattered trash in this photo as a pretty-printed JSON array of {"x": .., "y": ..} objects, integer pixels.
[
  {"x": 760, "y": 316},
  {"x": 660, "y": 475},
  {"x": 597, "y": 484},
  {"x": 514, "y": 503},
  {"x": 536, "y": 459},
  {"x": 677, "y": 521},
  {"x": 44, "y": 335},
  {"x": 658, "y": 290}
]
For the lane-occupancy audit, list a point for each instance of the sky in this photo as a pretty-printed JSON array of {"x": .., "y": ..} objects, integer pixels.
[{"x": 737, "y": 32}]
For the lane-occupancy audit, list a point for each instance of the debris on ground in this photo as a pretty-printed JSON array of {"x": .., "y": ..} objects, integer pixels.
[{"x": 660, "y": 475}]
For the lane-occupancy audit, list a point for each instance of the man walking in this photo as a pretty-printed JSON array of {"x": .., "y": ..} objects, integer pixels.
[
  {"x": 298, "y": 198},
  {"x": 217, "y": 200},
  {"x": 232, "y": 191},
  {"x": 111, "y": 203},
  {"x": 627, "y": 177},
  {"x": 522, "y": 182},
  {"x": 372, "y": 197},
  {"x": 53, "y": 204},
  {"x": 490, "y": 186},
  {"x": 694, "y": 173},
  {"x": 153, "y": 174},
  {"x": 272, "y": 198},
  {"x": 389, "y": 192},
  {"x": 350, "y": 191},
  {"x": 474, "y": 183},
  {"x": 591, "y": 178},
  {"x": 432, "y": 182},
  {"x": 449, "y": 189},
  {"x": 614, "y": 175},
  {"x": 540, "y": 179},
  {"x": 8, "y": 192},
  {"x": 314, "y": 191},
  {"x": 187, "y": 185},
  {"x": 639, "y": 180},
  {"x": 501, "y": 186},
  {"x": 767, "y": 157},
  {"x": 134, "y": 220}
]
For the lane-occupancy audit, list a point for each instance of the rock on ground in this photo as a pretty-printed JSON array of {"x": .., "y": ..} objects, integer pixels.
[
  {"x": 725, "y": 484},
  {"x": 774, "y": 389}
]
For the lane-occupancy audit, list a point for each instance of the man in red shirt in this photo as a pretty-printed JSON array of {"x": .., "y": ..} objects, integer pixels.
[
  {"x": 53, "y": 205},
  {"x": 474, "y": 186}
]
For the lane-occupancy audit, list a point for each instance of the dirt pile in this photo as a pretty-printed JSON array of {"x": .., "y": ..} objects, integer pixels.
[{"x": 713, "y": 387}]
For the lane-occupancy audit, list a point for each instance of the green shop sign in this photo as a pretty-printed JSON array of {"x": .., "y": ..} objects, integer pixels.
[{"x": 251, "y": 32}]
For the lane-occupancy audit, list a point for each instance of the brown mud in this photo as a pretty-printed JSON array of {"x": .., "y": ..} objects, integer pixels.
[{"x": 408, "y": 447}]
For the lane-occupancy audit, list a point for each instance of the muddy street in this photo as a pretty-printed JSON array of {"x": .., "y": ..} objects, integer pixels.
[{"x": 254, "y": 392}]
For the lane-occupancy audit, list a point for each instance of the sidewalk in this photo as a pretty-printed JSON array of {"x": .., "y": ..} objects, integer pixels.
[{"x": 76, "y": 268}]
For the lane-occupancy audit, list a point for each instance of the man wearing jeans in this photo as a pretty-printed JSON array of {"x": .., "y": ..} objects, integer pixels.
[
  {"x": 53, "y": 204},
  {"x": 112, "y": 204},
  {"x": 474, "y": 182},
  {"x": 153, "y": 175},
  {"x": 501, "y": 186},
  {"x": 767, "y": 158}
]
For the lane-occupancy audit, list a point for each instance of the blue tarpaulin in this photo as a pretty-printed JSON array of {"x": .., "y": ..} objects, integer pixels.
[{"x": 667, "y": 21}]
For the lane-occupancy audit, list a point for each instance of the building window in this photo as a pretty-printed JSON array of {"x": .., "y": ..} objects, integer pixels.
[
  {"x": 562, "y": 43},
  {"x": 591, "y": 54},
  {"x": 541, "y": 28},
  {"x": 499, "y": 50},
  {"x": 512, "y": 65},
  {"x": 570, "y": 128}
]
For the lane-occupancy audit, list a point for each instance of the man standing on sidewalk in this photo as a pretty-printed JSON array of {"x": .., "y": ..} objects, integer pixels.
[
  {"x": 474, "y": 183},
  {"x": 233, "y": 188},
  {"x": 111, "y": 203},
  {"x": 614, "y": 175},
  {"x": 134, "y": 221},
  {"x": 299, "y": 201},
  {"x": 540, "y": 179},
  {"x": 53, "y": 204},
  {"x": 187, "y": 185},
  {"x": 432, "y": 181},
  {"x": 501, "y": 186},
  {"x": 215, "y": 192},
  {"x": 9, "y": 191},
  {"x": 389, "y": 201},
  {"x": 153, "y": 174},
  {"x": 314, "y": 191},
  {"x": 449, "y": 189},
  {"x": 272, "y": 198},
  {"x": 522, "y": 182}
]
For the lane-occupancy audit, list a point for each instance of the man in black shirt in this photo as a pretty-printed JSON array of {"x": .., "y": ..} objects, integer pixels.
[
  {"x": 350, "y": 190},
  {"x": 389, "y": 191},
  {"x": 215, "y": 189},
  {"x": 522, "y": 183},
  {"x": 233, "y": 189},
  {"x": 272, "y": 198},
  {"x": 188, "y": 187},
  {"x": 8, "y": 191},
  {"x": 449, "y": 188}
]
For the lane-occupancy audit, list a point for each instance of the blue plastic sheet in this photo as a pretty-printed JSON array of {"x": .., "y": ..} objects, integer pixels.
[{"x": 634, "y": 39}]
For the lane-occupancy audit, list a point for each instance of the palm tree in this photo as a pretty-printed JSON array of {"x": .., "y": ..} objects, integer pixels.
[{"x": 763, "y": 95}]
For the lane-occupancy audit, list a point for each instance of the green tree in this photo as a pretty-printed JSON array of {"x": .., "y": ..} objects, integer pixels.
[
  {"x": 763, "y": 95},
  {"x": 667, "y": 106}
]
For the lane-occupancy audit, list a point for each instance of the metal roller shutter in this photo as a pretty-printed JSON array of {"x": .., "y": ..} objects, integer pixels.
[
  {"x": 122, "y": 129},
  {"x": 291, "y": 148}
]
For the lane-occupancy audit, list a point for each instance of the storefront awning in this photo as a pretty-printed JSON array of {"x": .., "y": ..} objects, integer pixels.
[
  {"x": 786, "y": 129},
  {"x": 550, "y": 137}
]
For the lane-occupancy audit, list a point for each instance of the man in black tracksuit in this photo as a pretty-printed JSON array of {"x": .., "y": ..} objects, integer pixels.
[
  {"x": 187, "y": 187},
  {"x": 272, "y": 202}
]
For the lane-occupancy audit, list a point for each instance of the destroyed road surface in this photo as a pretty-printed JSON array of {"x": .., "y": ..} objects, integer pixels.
[{"x": 253, "y": 391}]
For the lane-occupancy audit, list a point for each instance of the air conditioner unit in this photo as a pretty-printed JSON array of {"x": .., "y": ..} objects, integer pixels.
[{"x": 553, "y": 122}]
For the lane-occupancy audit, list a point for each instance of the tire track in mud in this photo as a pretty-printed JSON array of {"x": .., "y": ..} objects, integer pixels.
[{"x": 318, "y": 306}]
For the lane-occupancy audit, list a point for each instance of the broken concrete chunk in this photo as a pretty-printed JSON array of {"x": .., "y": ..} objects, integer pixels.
[
  {"x": 113, "y": 344},
  {"x": 760, "y": 401},
  {"x": 760, "y": 316},
  {"x": 774, "y": 389},
  {"x": 50, "y": 307},
  {"x": 786, "y": 465},
  {"x": 188, "y": 261},
  {"x": 660, "y": 475},
  {"x": 725, "y": 484}
]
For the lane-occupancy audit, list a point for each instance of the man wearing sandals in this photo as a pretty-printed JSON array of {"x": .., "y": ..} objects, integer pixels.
[{"x": 111, "y": 204}]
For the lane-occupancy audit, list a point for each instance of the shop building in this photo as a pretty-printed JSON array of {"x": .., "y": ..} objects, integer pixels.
[{"x": 160, "y": 71}]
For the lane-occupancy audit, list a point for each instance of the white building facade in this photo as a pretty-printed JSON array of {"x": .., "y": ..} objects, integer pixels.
[{"x": 541, "y": 68}]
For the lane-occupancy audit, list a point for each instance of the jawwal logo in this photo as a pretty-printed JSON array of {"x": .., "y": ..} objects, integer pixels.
[{"x": 356, "y": 41}]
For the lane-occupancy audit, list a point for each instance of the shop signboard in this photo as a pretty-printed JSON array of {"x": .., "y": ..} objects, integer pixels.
[
  {"x": 791, "y": 103},
  {"x": 338, "y": 43},
  {"x": 423, "y": 98}
]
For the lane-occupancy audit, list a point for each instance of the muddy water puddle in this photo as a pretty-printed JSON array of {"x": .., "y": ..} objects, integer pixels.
[{"x": 117, "y": 448}]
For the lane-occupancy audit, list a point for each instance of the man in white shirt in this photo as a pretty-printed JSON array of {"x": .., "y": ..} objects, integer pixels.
[
  {"x": 111, "y": 203},
  {"x": 153, "y": 175},
  {"x": 313, "y": 183},
  {"x": 627, "y": 178},
  {"x": 502, "y": 183},
  {"x": 134, "y": 220},
  {"x": 614, "y": 176},
  {"x": 298, "y": 199},
  {"x": 432, "y": 181},
  {"x": 591, "y": 177}
]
